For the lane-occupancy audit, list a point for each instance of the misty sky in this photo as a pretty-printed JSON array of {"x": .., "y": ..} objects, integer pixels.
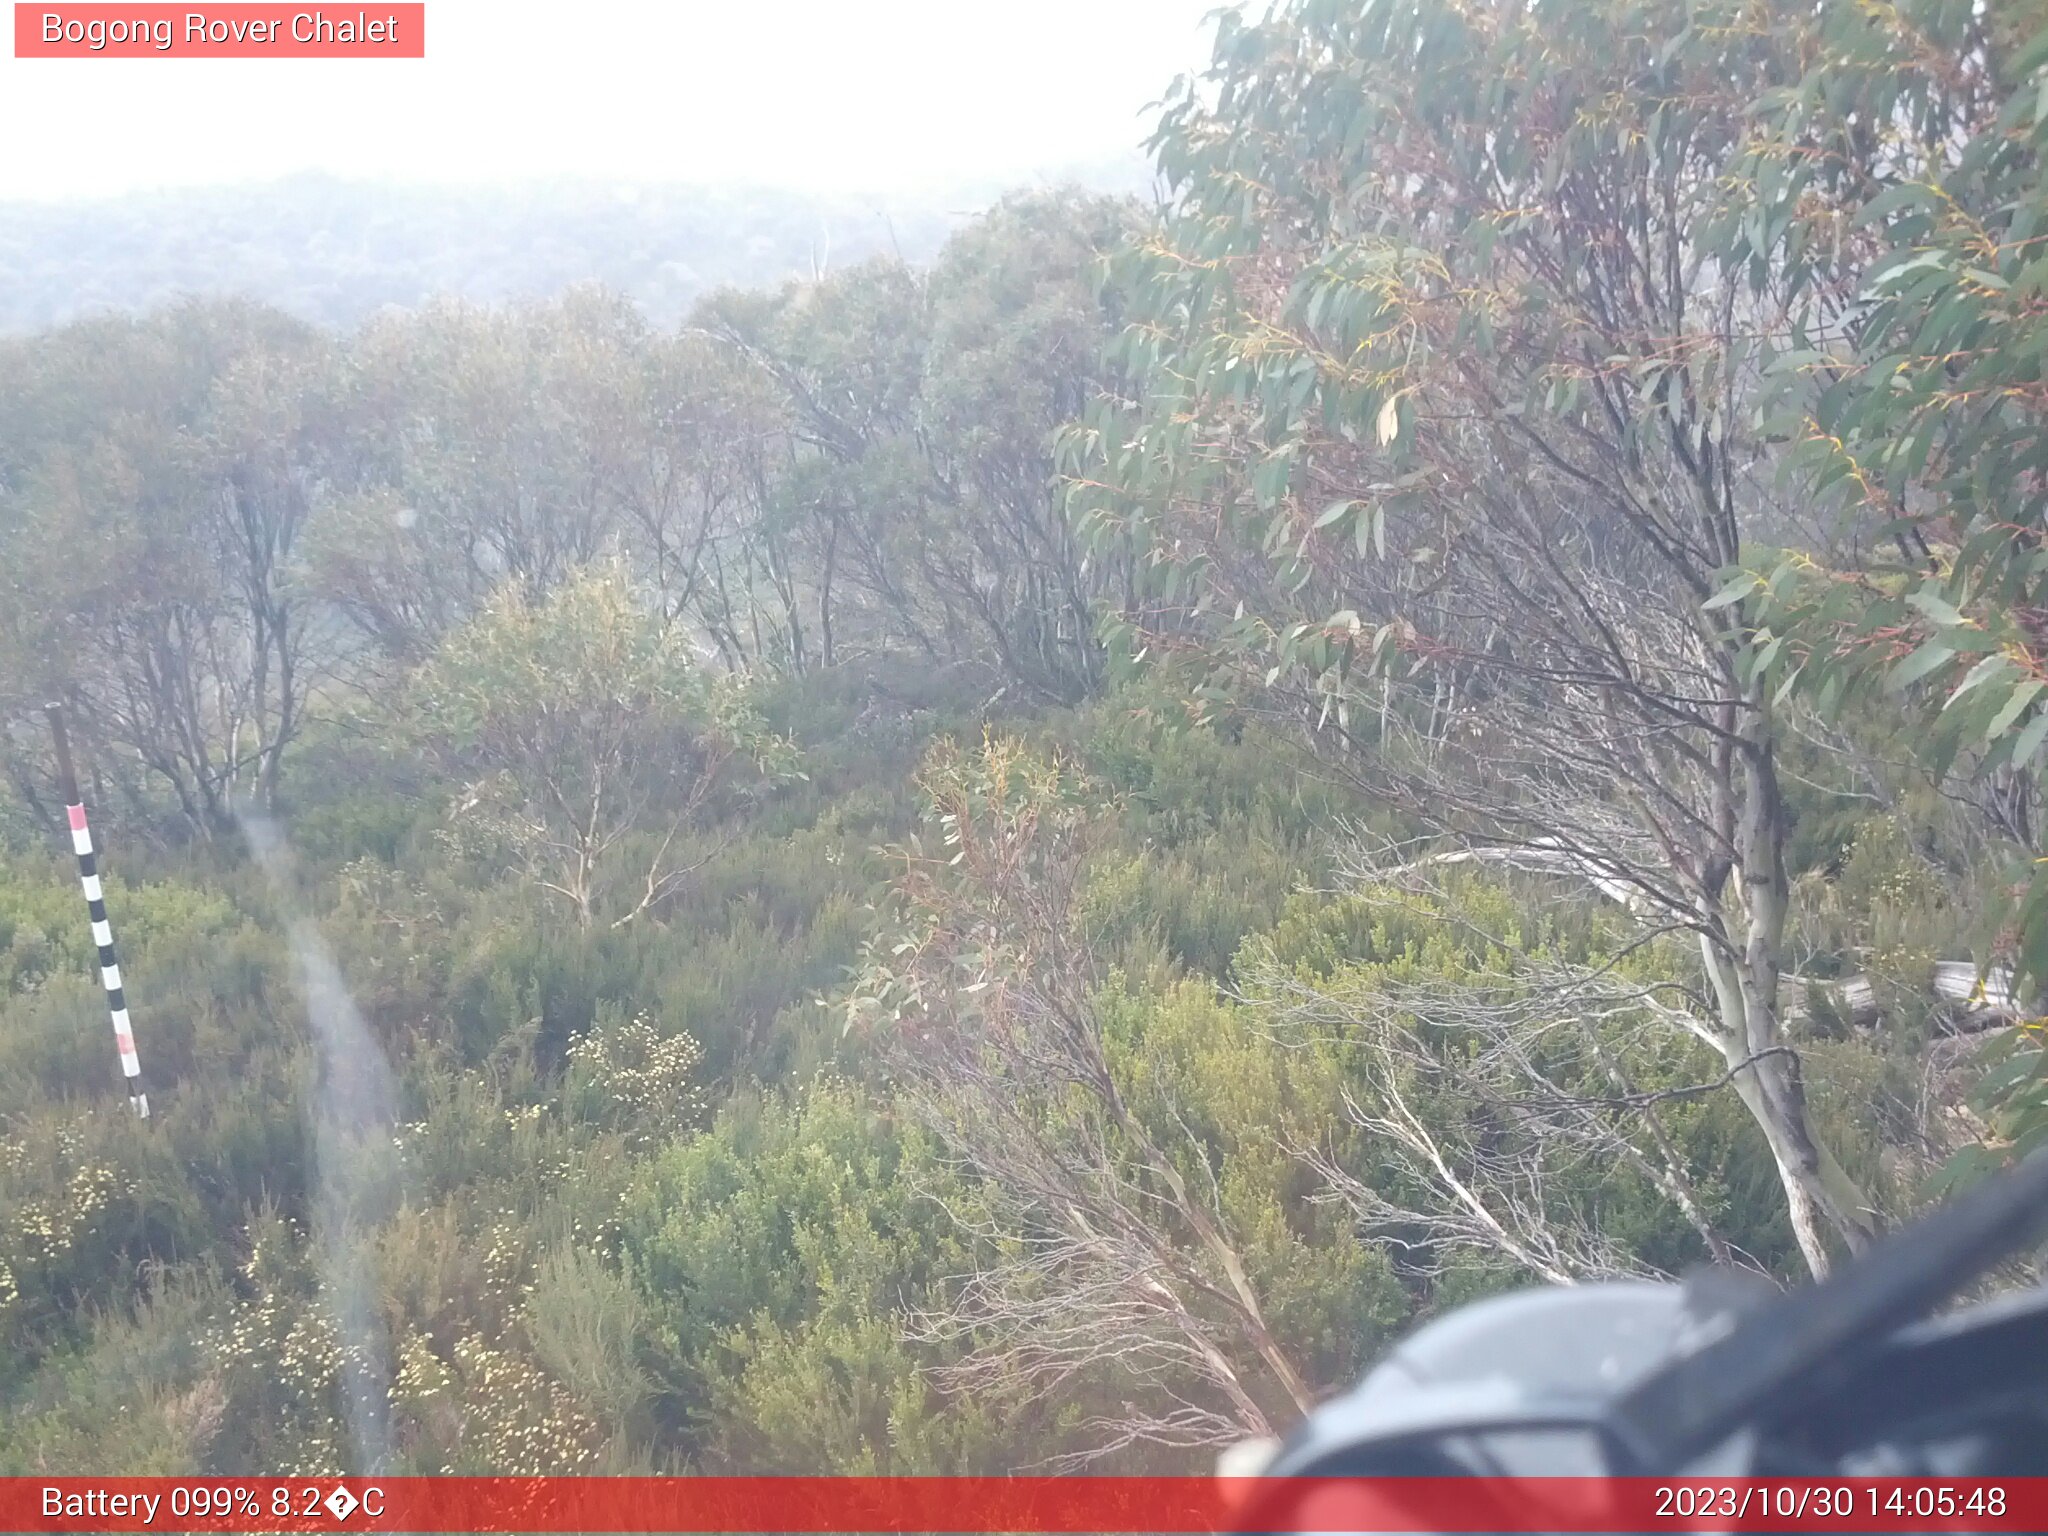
[{"x": 820, "y": 95}]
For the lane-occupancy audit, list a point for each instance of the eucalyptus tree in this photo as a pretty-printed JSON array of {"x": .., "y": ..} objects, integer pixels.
[
  {"x": 712, "y": 442},
  {"x": 844, "y": 355},
  {"x": 913, "y": 501},
  {"x": 1441, "y": 436},
  {"x": 1019, "y": 321},
  {"x": 592, "y": 739},
  {"x": 1902, "y": 199},
  {"x": 486, "y": 446},
  {"x": 167, "y": 472}
]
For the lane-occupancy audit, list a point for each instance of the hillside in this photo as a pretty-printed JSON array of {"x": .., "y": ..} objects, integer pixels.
[{"x": 334, "y": 252}]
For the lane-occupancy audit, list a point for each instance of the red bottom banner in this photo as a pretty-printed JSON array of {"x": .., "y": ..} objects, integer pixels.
[{"x": 1170, "y": 1506}]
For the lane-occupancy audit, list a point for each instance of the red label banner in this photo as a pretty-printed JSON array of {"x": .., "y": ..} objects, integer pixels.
[
  {"x": 225, "y": 31},
  {"x": 1171, "y": 1506}
]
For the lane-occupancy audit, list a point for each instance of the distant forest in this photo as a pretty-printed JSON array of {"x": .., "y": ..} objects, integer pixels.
[{"x": 335, "y": 252}]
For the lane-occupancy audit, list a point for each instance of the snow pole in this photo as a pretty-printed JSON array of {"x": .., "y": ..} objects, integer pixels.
[{"x": 96, "y": 907}]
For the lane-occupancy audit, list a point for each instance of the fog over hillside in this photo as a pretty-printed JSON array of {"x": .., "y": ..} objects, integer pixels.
[{"x": 333, "y": 251}]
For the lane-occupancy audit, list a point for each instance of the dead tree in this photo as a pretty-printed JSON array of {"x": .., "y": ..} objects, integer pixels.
[
  {"x": 1486, "y": 1097},
  {"x": 1100, "y": 1247}
]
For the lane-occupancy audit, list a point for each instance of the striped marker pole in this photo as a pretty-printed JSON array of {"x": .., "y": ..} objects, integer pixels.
[{"x": 96, "y": 905}]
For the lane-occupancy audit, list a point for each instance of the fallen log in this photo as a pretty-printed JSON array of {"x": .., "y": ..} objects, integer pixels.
[{"x": 1972, "y": 1000}]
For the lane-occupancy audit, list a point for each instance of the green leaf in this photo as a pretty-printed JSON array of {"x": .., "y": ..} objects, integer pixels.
[
  {"x": 1935, "y": 607},
  {"x": 1958, "y": 1173},
  {"x": 1736, "y": 590},
  {"x": 2022, "y": 696},
  {"x": 1929, "y": 657},
  {"x": 1333, "y": 511},
  {"x": 1990, "y": 668},
  {"x": 2030, "y": 740},
  {"x": 2033, "y": 56}
]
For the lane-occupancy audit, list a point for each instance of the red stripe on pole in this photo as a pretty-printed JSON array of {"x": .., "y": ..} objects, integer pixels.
[
  {"x": 1021, "y": 1504},
  {"x": 77, "y": 815}
]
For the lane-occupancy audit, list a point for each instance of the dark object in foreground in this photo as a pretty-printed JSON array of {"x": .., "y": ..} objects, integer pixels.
[{"x": 1717, "y": 1377}]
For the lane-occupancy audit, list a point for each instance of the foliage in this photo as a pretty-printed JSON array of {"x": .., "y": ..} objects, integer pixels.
[
  {"x": 581, "y": 710},
  {"x": 1906, "y": 388},
  {"x": 1439, "y": 438},
  {"x": 782, "y": 1252},
  {"x": 846, "y": 1011}
]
